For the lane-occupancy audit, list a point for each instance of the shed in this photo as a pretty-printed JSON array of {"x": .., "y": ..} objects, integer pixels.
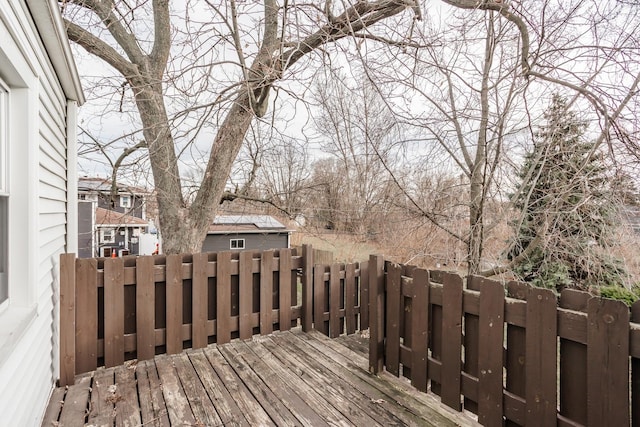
[{"x": 239, "y": 232}]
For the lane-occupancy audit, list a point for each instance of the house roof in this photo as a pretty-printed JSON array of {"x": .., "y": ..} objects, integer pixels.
[
  {"x": 106, "y": 217},
  {"x": 46, "y": 15},
  {"x": 224, "y": 224}
]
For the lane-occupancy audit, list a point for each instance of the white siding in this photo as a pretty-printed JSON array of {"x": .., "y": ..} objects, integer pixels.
[{"x": 28, "y": 374}]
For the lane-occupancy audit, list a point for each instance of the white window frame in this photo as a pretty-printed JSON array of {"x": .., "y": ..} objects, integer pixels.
[
  {"x": 239, "y": 244},
  {"x": 128, "y": 203},
  {"x": 4, "y": 195},
  {"x": 103, "y": 234}
]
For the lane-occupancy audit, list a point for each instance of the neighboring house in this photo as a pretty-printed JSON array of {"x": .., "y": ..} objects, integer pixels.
[
  {"x": 102, "y": 232},
  {"x": 238, "y": 232},
  {"x": 39, "y": 96},
  {"x": 109, "y": 222}
]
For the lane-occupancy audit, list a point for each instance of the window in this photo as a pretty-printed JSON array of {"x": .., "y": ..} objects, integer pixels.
[
  {"x": 107, "y": 235},
  {"x": 4, "y": 193},
  {"x": 236, "y": 244},
  {"x": 106, "y": 252},
  {"x": 125, "y": 202}
]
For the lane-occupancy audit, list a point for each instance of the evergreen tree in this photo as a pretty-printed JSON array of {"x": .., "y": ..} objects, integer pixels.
[{"x": 567, "y": 209}]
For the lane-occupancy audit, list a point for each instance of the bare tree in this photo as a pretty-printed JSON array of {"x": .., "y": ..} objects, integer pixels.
[
  {"x": 357, "y": 129},
  {"x": 256, "y": 46},
  {"x": 480, "y": 81}
]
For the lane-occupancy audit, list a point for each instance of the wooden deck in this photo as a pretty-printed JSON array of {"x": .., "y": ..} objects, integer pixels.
[{"x": 287, "y": 378}]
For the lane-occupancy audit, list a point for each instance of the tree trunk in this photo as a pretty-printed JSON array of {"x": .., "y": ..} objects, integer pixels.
[{"x": 479, "y": 170}]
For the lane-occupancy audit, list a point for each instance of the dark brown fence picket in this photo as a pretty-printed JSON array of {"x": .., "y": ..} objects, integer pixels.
[
  {"x": 320, "y": 300},
  {"x": 450, "y": 377},
  {"x": 471, "y": 347},
  {"x": 376, "y": 313},
  {"x": 245, "y": 295},
  {"x": 573, "y": 360},
  {"x": 266, "y": 293},
  {"x": 607, "y": 363},
  {"x": 363, "y": 295},
  {"x": 114, "y": 312},
  {"x": 174, "y": 294},
  {"x": 350, "y": 300},
  {"x": 200, "y": 297},
  {"x": 435, "y": 337},
  {"x": 145, "y": 312},
  {"x": 541, "y": 357},
  {"x": 335, "y": 299},
  {"x": 86, "y": 315},
  {"x": 284, "y": 290},
  {"x": 515, "y": 358},
  {"x": 420, "y": 330},
  {"x": 393, "y": 311},
  {"x": 635, "y": 367},
  {"x": 491, "y": 329}
]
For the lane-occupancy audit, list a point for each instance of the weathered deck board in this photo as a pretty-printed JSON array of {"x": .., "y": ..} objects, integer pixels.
[
  {"x": 286, "y": 378},
  {"x": 226, "y": 406},
  {"x": 265, "y": 393},
  {"x": 102, "y": 398}
]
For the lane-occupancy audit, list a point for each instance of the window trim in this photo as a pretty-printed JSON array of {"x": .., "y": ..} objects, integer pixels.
[
  {"x": 102, "y": 235},
  {"x": 237, "y": 247},
  {"x": 126, "y": 197}
]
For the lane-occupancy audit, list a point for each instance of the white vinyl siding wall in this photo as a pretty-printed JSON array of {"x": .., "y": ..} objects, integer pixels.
[{"x": 29, "y": 368}]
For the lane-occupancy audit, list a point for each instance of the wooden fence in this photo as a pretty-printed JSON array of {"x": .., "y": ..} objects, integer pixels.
[
  {"x": 514, "y": 359},
  {"x": 514, "y": 355},
  {"x": 117, "y": 309}
]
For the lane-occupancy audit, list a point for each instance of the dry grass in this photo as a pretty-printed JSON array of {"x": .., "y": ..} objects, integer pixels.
[
  {"x": 429, "y": 247},
  {"x": 345, "y": 247}
]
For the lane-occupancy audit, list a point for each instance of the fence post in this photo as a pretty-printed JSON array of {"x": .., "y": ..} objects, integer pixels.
[
  {"x": 307, "y": 288},
  {"x": 376, "y": 313},
  {"x": 284, "y": 289},
  {"x": 67, "y": 325}
]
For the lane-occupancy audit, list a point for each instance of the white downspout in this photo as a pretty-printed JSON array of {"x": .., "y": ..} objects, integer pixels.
[
  {"x": 72, "y": 177},
  {"x": 72, "y": 215}
]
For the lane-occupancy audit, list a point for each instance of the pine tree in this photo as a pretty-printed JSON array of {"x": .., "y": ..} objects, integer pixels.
[{"x": 566, "y": 206}]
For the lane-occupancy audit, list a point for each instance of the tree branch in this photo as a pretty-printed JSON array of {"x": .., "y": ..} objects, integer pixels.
[
  {"x": 515, "y": 261},
  {"x": 99, "y": 48},
  {"x": 504, "y": 10},
  {"x": 104, "y": 9},
  {"x": 162, "y": 37},
  {"x": 228, "y": 196}
]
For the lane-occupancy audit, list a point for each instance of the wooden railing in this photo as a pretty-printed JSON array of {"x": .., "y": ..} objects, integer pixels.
[
  {"x": 512, "y": 354},
  {"x": 514, "y": 359},
  {"x": 116, "y": 309}
]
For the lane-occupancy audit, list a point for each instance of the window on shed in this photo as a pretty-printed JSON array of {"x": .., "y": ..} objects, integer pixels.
[
  {"x": 236, "y": 244},
  {"x": 4, "y": 193}
]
